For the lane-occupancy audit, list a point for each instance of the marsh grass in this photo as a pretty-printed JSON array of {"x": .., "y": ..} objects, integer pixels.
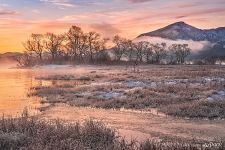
[
  {"x": 176, "y": 100},
  {"x": 185, "y": 97}
]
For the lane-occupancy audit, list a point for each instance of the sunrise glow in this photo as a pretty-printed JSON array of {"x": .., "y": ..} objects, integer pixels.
[{"x": 129, "y": 18}]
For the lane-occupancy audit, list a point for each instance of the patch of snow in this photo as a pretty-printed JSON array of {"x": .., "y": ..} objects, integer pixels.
[
  {"x": 218, "y": 96},
  {"x": 209, "y": 79},
  {"x": 153, "y": 84},
  {"x": 171, "y": 82},
  {"x": 222, "y": 93},
  {"x": 103, "y": 83},
  {"x": 84, "y": 94},
  {"x": 110, "y": 95},
  {"x": 137, "y": 83}
]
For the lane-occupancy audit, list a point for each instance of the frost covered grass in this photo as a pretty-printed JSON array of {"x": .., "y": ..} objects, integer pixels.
[
  {"x": 183, "y": 91},
  {"x": 28, "y": 133}
]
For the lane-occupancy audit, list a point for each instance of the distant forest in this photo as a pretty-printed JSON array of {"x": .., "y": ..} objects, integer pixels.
[{"x": 78, "y": 47}]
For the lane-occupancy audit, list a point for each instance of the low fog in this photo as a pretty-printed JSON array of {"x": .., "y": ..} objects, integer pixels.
[
  {"x": 199, "y": 48},
  {"x": 6, "y": 63}
]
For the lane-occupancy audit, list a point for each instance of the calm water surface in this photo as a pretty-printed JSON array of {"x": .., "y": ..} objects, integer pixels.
[{"x": 15, "y": 86}]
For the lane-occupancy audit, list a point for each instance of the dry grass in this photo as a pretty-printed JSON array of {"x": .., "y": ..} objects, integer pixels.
[
  {"x": 197, "y": 109},
  {"x": 30, "y": 134}
]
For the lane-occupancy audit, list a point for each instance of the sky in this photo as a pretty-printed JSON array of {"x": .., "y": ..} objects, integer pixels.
[{"x": 128, "y": 18}]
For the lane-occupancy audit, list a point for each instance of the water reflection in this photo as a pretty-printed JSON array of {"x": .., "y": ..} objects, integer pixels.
[{"x": 14, "y": 86}]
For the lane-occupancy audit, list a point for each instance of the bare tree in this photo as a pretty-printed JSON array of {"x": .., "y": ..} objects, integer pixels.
[
  {"x": 93, "y": 43},
  {"x": 130, "y": 49},
  {"x": 171, "y": 56},
  {"x": 26, "y": 59},
  {"x": 148, "y": 51},
  {"x": 35, "y": 44},
  {"x": 144, "y": 50},
  {"x": 53, "y": 44},
  {"x": 82, "y": 48},
  {"x": 76, "y": 40},
  {"x": 29, "y": 45},
  {"x": 159, "y": 52},
  {"x": 39, "y": 44},
  {"x": 181, "y": 51},
  {"x": 119, "y": 48}
]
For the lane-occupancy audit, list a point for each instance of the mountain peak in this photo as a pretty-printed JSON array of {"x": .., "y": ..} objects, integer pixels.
[
  {"x": 179, "y": 23},
  {"x": 184, "y": 31},
  {"x": 179, "y": 26}
]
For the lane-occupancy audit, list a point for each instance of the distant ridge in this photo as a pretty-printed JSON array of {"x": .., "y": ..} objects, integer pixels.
[
  {"x": 9, "y": 56},
  {"x": 184, "y": 31}
]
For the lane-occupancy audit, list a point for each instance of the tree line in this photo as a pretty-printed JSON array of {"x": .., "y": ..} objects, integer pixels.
[
  {"x": 76, "y": 46},
  {"x": 139, "y": 52}
]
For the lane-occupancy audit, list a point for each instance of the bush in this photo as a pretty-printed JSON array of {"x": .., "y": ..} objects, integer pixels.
[{"x": 29, "y": 133}]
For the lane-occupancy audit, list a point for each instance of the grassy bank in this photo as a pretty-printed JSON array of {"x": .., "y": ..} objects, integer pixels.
[{"x": 30, "y": 134}]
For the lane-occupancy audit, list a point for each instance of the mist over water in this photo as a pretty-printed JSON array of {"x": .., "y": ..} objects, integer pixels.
[
  {"x": 7, "y": 63},
  {"x": 16, "y": 84}
]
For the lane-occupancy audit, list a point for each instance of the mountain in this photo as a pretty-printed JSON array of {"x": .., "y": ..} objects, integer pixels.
[
  {"x": 9, "y": 59},
  {"x": 10, "y": 55},
  {"x": 183, "y": 31}
]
